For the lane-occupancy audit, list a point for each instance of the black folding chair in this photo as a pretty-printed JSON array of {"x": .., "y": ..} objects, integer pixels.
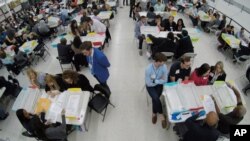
[
  {"x": 100, "y": 101},
  {"x": 63, "y": 60}
]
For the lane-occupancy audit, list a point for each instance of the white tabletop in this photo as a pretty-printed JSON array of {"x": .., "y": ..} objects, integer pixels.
[
  {"x": 29, "y": 46},
  {"x": 204, "y": 16},
  {"x": 182, "y": 98},
  {"x": 144, "y": 13},
  {"x": 53, "y": 22},
  {"x": 27, "y": 99}
]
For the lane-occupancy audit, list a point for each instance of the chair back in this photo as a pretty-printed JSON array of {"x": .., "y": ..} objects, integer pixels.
[
  {"x": 169, "y": 55},
  {"x": 102, "y": 89}
]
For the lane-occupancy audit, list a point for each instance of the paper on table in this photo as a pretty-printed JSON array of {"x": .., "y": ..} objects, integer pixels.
[
  {"x": 153, "y": 30},
  {"x": 73, "y": 105},
  {"x": 208, "y": 104},
  {"x": 54, "y": 111}
]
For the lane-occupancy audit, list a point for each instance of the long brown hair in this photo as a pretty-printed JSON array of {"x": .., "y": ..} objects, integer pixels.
[
  {"x": 51, "y": 79},
  {"x": 69, "y": 74},
  {"x": 32, "y": 71}
]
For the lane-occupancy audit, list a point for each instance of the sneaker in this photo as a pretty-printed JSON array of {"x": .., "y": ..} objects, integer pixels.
[
  {"x": 154, "y": 119},
  {"x": 140, "y": 52}
]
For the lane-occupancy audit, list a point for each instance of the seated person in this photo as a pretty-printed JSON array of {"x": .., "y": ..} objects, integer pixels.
[
  {"x": 217, "y": 73},
  {"x": 184, "y": 44},
  {"x": 76, "y": 80},
  {"x": 11, "y": 41},
  {"x": 159, "y": 6},
  {"x": 243, "y": 51},
  {"x": 96, "y": 12},
  {"x": 3, "y": 114},
  {"x": 84, "y": 16},
  {"x": 138, "y": 35},
  {"x": 84, "y": 28},
  {"x": 37, "y": 79},
  {"x": 64, "y": 50},
  {"x": 226, "y": 30},
  {"x": 180, "y": 70},
  {"x": 151, "y": 14},
  {"x": 157, "y": 22},
  {"x": 247, "y": 87},
  {"x": 180, "y": 25},
  {"x": 200, "y": 75},
  {"x": 64, "y": 15},
  {"x": 74, "y": 28},
  {"x": 241, "y": 35},
  {"x": 223, "y": 22},
  {"x": 204, "y": 132},
  {"x": 163, "y": 44},
  {"x": 214, "y": 23},
  {"x": 169, "y": 24},
  {"x": 180, "y": 6},
  {"x": 204, "y": 24},
  {"x": 25, "y": 119},
  {"x": 45, "y": 132},
  {"x": 194, "y": 16},
  {"x": 156, "y": 75},
  {"x": 54, "y": 85},
  {"x": 232, "y": 118},
  {"x": 43, "y": 29},
  {"x": 79, "y": 58}
]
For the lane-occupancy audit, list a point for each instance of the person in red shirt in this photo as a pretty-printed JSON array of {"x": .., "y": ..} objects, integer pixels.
[{"x": 200, "y": 75}]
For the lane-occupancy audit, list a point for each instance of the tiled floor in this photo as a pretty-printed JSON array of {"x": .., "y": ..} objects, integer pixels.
[{"x": 131, "y": 119}]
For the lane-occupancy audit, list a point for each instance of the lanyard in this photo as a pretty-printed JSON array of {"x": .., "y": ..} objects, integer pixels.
[{"x": 156, "y": 71}]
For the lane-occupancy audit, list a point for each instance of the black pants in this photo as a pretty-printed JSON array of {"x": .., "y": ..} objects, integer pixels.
[
  {"x": 131, "y": 10},
  {"x": 108, "y": 36},
  {"x": 140, "y": 38},
  {"x": 104, "y": 84},
  {"x": 155, "y": 93},
  {"x": 80, "y": 60},
  {"x": 126, "y": 2}
]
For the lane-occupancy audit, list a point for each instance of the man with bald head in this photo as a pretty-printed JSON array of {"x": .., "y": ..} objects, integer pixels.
[
  {"x": 233, "y": 117},
  {"x": 204, "y": 132}
]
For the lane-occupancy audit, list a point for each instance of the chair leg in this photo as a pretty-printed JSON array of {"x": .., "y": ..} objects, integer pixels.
[
  {"x": 104, "y": 114},
  {"x": 112, "y": 104}
]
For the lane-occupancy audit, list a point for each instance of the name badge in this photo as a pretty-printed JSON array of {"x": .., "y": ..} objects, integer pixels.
[
  {"x": 153, "y": 76},
  {"x": 177, "y": 71}
]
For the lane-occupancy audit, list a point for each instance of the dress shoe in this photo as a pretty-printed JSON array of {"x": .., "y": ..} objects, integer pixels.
[{"x": 154, "y": 119}]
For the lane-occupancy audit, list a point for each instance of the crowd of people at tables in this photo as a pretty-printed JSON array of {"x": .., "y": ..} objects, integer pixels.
[{"x": 157, "y": 74}]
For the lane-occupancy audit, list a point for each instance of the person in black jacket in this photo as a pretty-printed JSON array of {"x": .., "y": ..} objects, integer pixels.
[
  {"x": 217, "y": 73},
  {"x": 180, "y": 25},
  {"x": 184, "y": 45},
  {"x": 54, "y": 85},
  {"x": 163, "y": 44},
  {"x": 76, "y": 80},
  {"x": 242, "y": 51},
  {"x": 170, "y": 24},
  {"x": 65, "y": 50},
  {"x": 157, "y": 22},
  {"x": 205, "y": 132}
]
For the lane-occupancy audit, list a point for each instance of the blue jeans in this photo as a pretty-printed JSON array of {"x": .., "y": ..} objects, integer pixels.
[{"x": 155, "y": 93}]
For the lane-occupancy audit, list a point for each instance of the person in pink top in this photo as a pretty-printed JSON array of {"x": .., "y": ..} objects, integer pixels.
[{"x": 200, "y": 75}]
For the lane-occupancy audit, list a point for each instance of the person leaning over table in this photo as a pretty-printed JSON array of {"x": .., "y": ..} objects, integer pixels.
[
  {"x": 217, "y": 73},
  {"x": 201, "y": 132},
  {"x": 226, "y": 30},
  {"x": 163, "y": 44},
  {"x": 138, "y": 35},
  {"x": 232, "y": 118},
  {"x": 98, "y": 27},
  {"x": 54, "y": 85},
  {"x": 73, "y": 79},
  {"x": 37, "y": 79},
  {"x": 98, "y": 63},
  {"x": 156, "y": 75},
  {"x": 184, "y": 44},
  {"x": 200, "y": 75},
  {"x": 180, "y": 70}
]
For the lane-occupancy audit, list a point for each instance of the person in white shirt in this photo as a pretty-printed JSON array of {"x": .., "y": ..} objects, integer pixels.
[
  {"x": 98, "y": 27},
  {"x": 241, "y": 35},
  {"x": 159, "y": 6}
]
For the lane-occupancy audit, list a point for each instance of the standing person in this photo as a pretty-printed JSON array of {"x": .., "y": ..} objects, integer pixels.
[
  {"x": 132, "y": 4},
  {"x": 156, "y": 75},
  {"x": 124, "y": 2},
  {"x": 98, "y": 63}
]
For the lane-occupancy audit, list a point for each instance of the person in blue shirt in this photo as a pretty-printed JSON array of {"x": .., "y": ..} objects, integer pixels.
[
  {"x": 159, "y": 6},
  {"x": 98, "y": 63},
  {"x": 156, "y": 75},
  {"x": 138, "y": 35}
]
